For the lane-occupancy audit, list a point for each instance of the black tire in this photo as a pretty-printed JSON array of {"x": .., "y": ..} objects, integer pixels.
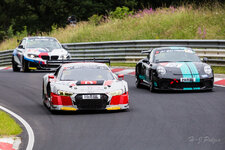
[
  {"x": 151, "y": 85},
  {"x": 43, "y": 95},
  {"x": 138, "y": 82},
  {"x": 25, "y": 66},
  {"x": 14, "y": 66},
  {"x": 210, "y": 90}
]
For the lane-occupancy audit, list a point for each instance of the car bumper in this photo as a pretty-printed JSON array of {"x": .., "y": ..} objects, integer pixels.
[
  {"x": 175, "y": 84},
  {"x": 68, "y": 103},
  {"x": 74, "y": 107},
  {"x": 39, "y": 65}
]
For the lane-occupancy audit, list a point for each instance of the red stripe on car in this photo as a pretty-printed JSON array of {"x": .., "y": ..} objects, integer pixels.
[
  {"x": 88, "y": 82},
  {"x": 43, "y": 54},
  {"x": 109, "y": 82}
]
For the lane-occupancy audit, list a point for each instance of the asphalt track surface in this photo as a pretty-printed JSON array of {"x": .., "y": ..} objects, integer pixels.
[{"x": 155, "y": 121}]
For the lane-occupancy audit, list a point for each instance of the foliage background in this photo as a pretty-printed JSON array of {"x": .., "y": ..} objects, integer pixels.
[{"x": 37, "y": 16}]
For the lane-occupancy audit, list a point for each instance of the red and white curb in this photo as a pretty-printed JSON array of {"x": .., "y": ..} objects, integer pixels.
[
  {"x": 131, "y": 71},
  {"x": 219, "y": 82},
  {"x": 6, "y": 68},
  {"x": 10, "y": 143}
]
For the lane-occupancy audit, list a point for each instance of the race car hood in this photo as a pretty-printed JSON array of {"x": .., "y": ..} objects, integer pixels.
[
  {"x": 100, "y": 86},
  {"x": 184, "y": 68},
  {"x": 38, "y": 51}
]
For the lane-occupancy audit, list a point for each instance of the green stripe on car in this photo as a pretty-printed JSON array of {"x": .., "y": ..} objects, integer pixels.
[
  {"x": 194, "y": 71},
  {"x": 185, "y": 70},
  {"x": 142, "y": 77}
]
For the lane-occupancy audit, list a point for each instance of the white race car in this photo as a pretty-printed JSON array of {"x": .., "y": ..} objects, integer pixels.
[
  {"x": 85, "y": 86},
  {"x": 34, "y": 53}
]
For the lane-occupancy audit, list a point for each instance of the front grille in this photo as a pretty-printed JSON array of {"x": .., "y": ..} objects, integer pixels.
[
  {"x": 181, "y": 85},
  {"x": 165, "y": 84},
  {"x": 54, "y": 57},
  {"x": 45, "y": 57},
  {"x": 91, "y": 104}
]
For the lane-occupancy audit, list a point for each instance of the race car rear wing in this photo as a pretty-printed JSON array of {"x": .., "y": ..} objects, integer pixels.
[{"x": 57, "y": 63}]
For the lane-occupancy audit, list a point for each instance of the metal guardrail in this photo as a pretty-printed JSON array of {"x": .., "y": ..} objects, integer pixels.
[{"x": 130, "y": 51}]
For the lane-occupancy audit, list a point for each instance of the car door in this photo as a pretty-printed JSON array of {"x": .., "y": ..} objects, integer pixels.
[{"x": 19, "y": 52}]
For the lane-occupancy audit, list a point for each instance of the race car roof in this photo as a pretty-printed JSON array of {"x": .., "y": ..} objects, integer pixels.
[
  {"x": 39, "y": 37},
  {"x": 166, "y": 48},
  {"x": 84, "y": 64},
  {"x": 172, "y": 48}
]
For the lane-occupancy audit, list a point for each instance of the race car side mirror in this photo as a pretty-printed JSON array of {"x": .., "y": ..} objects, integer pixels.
[
  {"x": 21, "y": 46},
  {"x": 205, "y": 59},
  {"x": 145, "y": 60},
  {"x": 121, "y": 76},
  {"x": 51, "y": 77}
]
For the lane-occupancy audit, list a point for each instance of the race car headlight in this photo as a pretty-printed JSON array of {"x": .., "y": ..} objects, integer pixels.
[
  {"x": 161, "y": 70},
  {"x": 114, "y": 93},
  {"x": 32, "y": 55},
  {"x": 207, "y": 69},
  {"x": 64, "y": 93}
]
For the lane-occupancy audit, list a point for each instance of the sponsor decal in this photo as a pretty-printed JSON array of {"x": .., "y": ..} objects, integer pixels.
[
  {"x": 88, "y": 82},
  {"x": 163, "y": 64},
  {"x": 172, "y": 65},
  {"x": 204, "y": 76},
  {"x": 108, "y": 83},
  {"x": 99, "y": 82}
]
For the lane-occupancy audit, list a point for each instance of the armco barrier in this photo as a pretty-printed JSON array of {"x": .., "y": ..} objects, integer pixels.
[{"x": 130, "y": 51}]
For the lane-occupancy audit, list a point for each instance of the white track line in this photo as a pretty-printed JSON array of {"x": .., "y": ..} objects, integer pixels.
[{"x": 26, "y": 125}]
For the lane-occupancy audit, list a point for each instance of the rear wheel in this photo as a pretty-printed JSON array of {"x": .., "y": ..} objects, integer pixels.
[
  {"x": 25, "y": 66},
  {"x": 14, "y": 66}
]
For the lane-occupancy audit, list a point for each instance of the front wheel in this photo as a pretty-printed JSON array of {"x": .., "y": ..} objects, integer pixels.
[
  {"x": 14, "y": 66},
  {"x": 25, "y": 66}
]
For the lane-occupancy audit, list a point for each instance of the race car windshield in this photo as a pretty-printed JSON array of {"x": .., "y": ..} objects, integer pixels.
[
  {"x": 48, "y": 44},
  {"x": 86, "y": 74},
  {"x": 175, "y": 56}
]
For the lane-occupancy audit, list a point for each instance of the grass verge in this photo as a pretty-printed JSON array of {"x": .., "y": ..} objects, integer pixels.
[
  {"x": 8, "y": 125},
  {"x": 123, "y": 64},
  {"x": 186, "y": 22},
  {"x": 218, "y": 69}
]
